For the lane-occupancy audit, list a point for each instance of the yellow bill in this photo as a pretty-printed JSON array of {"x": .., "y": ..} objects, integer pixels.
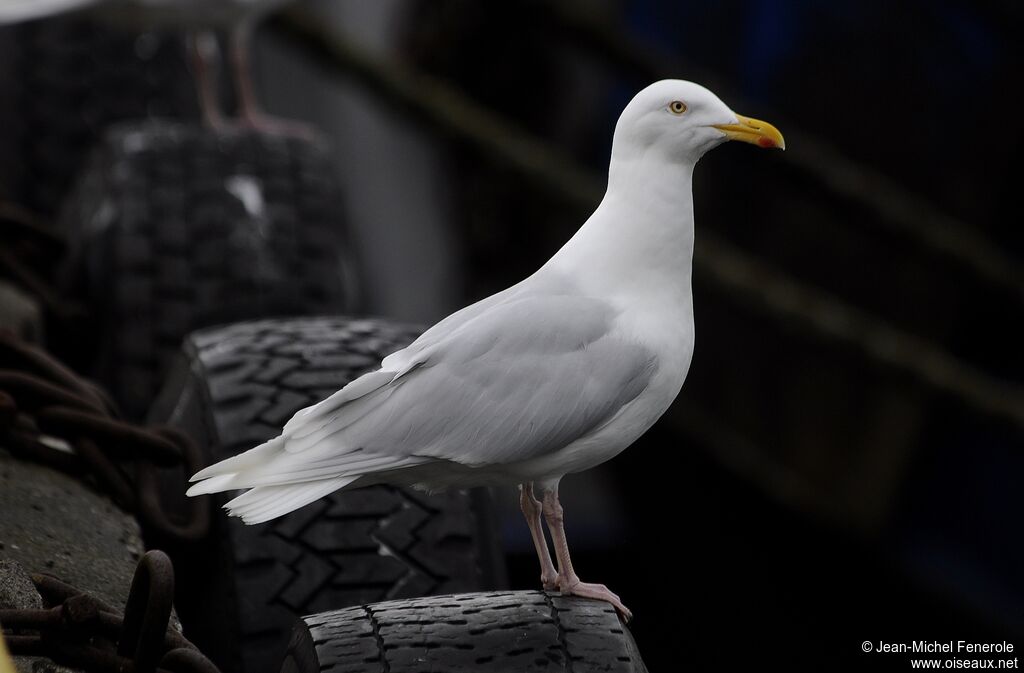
[{"x": 753, "y": 131}]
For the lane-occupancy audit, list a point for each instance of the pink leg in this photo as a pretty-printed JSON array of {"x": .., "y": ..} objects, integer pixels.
[
  {"x": 568, "y": 582},
  {"x": 203, "y": 50},
  {"x": 532, "y": 510},
  {"x": 249, "y": 109}
]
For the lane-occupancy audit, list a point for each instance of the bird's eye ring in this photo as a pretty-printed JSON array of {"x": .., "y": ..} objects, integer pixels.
[{"x": 677, "y": 107}]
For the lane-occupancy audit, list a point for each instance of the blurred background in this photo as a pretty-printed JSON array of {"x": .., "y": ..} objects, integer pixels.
[{"x": 844, "y": 462}]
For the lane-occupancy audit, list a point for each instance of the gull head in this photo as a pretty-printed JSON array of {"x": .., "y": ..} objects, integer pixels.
[{"x": 680, "y": 121}]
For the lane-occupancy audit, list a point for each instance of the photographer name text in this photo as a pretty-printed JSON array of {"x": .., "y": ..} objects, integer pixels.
[{"x": 937, "y": 646}]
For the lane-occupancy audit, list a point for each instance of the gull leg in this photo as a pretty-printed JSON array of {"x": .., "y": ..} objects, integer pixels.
[
  {"x": 532, "y": 510},
  {"x": 568, "y": 582},
  {"x": 203, "y": 50},
  {"x": 249, "y": 108}
]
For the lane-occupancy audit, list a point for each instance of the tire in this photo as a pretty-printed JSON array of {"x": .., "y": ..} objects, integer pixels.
[
  {"x": 233, "y": 388},
  {"x": 508, "y": 631},
  {"x": 174, "y": 227},
  {"x": 64, "y": 80}
]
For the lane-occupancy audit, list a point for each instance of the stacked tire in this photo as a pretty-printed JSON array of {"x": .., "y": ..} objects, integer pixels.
[
  {"x": 64, "y": 81},
  {"x": 234, "y": 387},
  {"x": 522, "y": 631},
  {"x": 174, "y": 227}
]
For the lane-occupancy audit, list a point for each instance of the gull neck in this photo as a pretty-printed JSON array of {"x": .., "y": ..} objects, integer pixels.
[{"x": 639, "y": 241}]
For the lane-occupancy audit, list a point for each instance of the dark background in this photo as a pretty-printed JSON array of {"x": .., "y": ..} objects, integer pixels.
[{"x": 844, "y": 462}]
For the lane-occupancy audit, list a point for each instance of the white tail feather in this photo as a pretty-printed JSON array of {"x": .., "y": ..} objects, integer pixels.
[
  {"x": 269, "y": 502},
  {"x": 285, "y": 474}
]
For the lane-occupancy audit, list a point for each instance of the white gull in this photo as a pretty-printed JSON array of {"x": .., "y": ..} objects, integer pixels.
[{"x": 551, "y": 376}]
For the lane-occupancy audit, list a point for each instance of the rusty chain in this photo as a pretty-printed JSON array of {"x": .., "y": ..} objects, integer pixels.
[
  {"x": 79, "y": 630},
  {"x": 41, "y": 400},
  {"x": 27, "y": 242}
]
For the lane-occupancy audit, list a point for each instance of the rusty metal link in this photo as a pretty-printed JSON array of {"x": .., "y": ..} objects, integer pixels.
[
  {"x": 124, "y": 440},
  {"x": 19, "y": 356},
  {"x": 79, "y": 630},
  {"x": 111, "y": 478},
  {"x": 34, "y": 393},
  {"x": 147, "y": 612},
  {"x": 41, "y": 398},
  {"x": 150, "y": 508},
  {"x": 27, "y": 237}
]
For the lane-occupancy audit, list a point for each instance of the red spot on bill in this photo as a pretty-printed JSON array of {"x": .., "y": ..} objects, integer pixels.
[{"x": 766, "y": 142}]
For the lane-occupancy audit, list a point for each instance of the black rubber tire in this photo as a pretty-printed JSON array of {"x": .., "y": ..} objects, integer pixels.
[
  {"x": 235, "y": 387},
  {"x": 63, "y": 80},
  {"x": 519, "y": 631},
  {"x": 175, "y": 227}
]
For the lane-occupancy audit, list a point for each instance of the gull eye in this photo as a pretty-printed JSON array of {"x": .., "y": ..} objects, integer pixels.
[{"x": 677, "y": 107}]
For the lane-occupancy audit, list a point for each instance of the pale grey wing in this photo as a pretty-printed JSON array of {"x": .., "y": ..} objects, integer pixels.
[
  {"x": 552, "y": 284},
  {"x": 443, "y": 328},
  {"x": 521, "y": 379}
]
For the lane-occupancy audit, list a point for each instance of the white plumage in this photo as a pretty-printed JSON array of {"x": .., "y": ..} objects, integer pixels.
[{"x": 552, "y": 376}]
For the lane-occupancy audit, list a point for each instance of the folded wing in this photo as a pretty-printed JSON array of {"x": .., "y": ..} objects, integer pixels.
[{"x": 519, "y": 379}]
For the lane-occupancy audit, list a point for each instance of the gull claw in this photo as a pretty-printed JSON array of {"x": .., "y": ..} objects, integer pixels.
[{"x": 596, "y": 591}]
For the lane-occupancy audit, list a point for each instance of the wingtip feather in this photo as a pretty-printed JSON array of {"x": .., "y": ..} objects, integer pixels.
[{"x": 221, "y": 482}]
